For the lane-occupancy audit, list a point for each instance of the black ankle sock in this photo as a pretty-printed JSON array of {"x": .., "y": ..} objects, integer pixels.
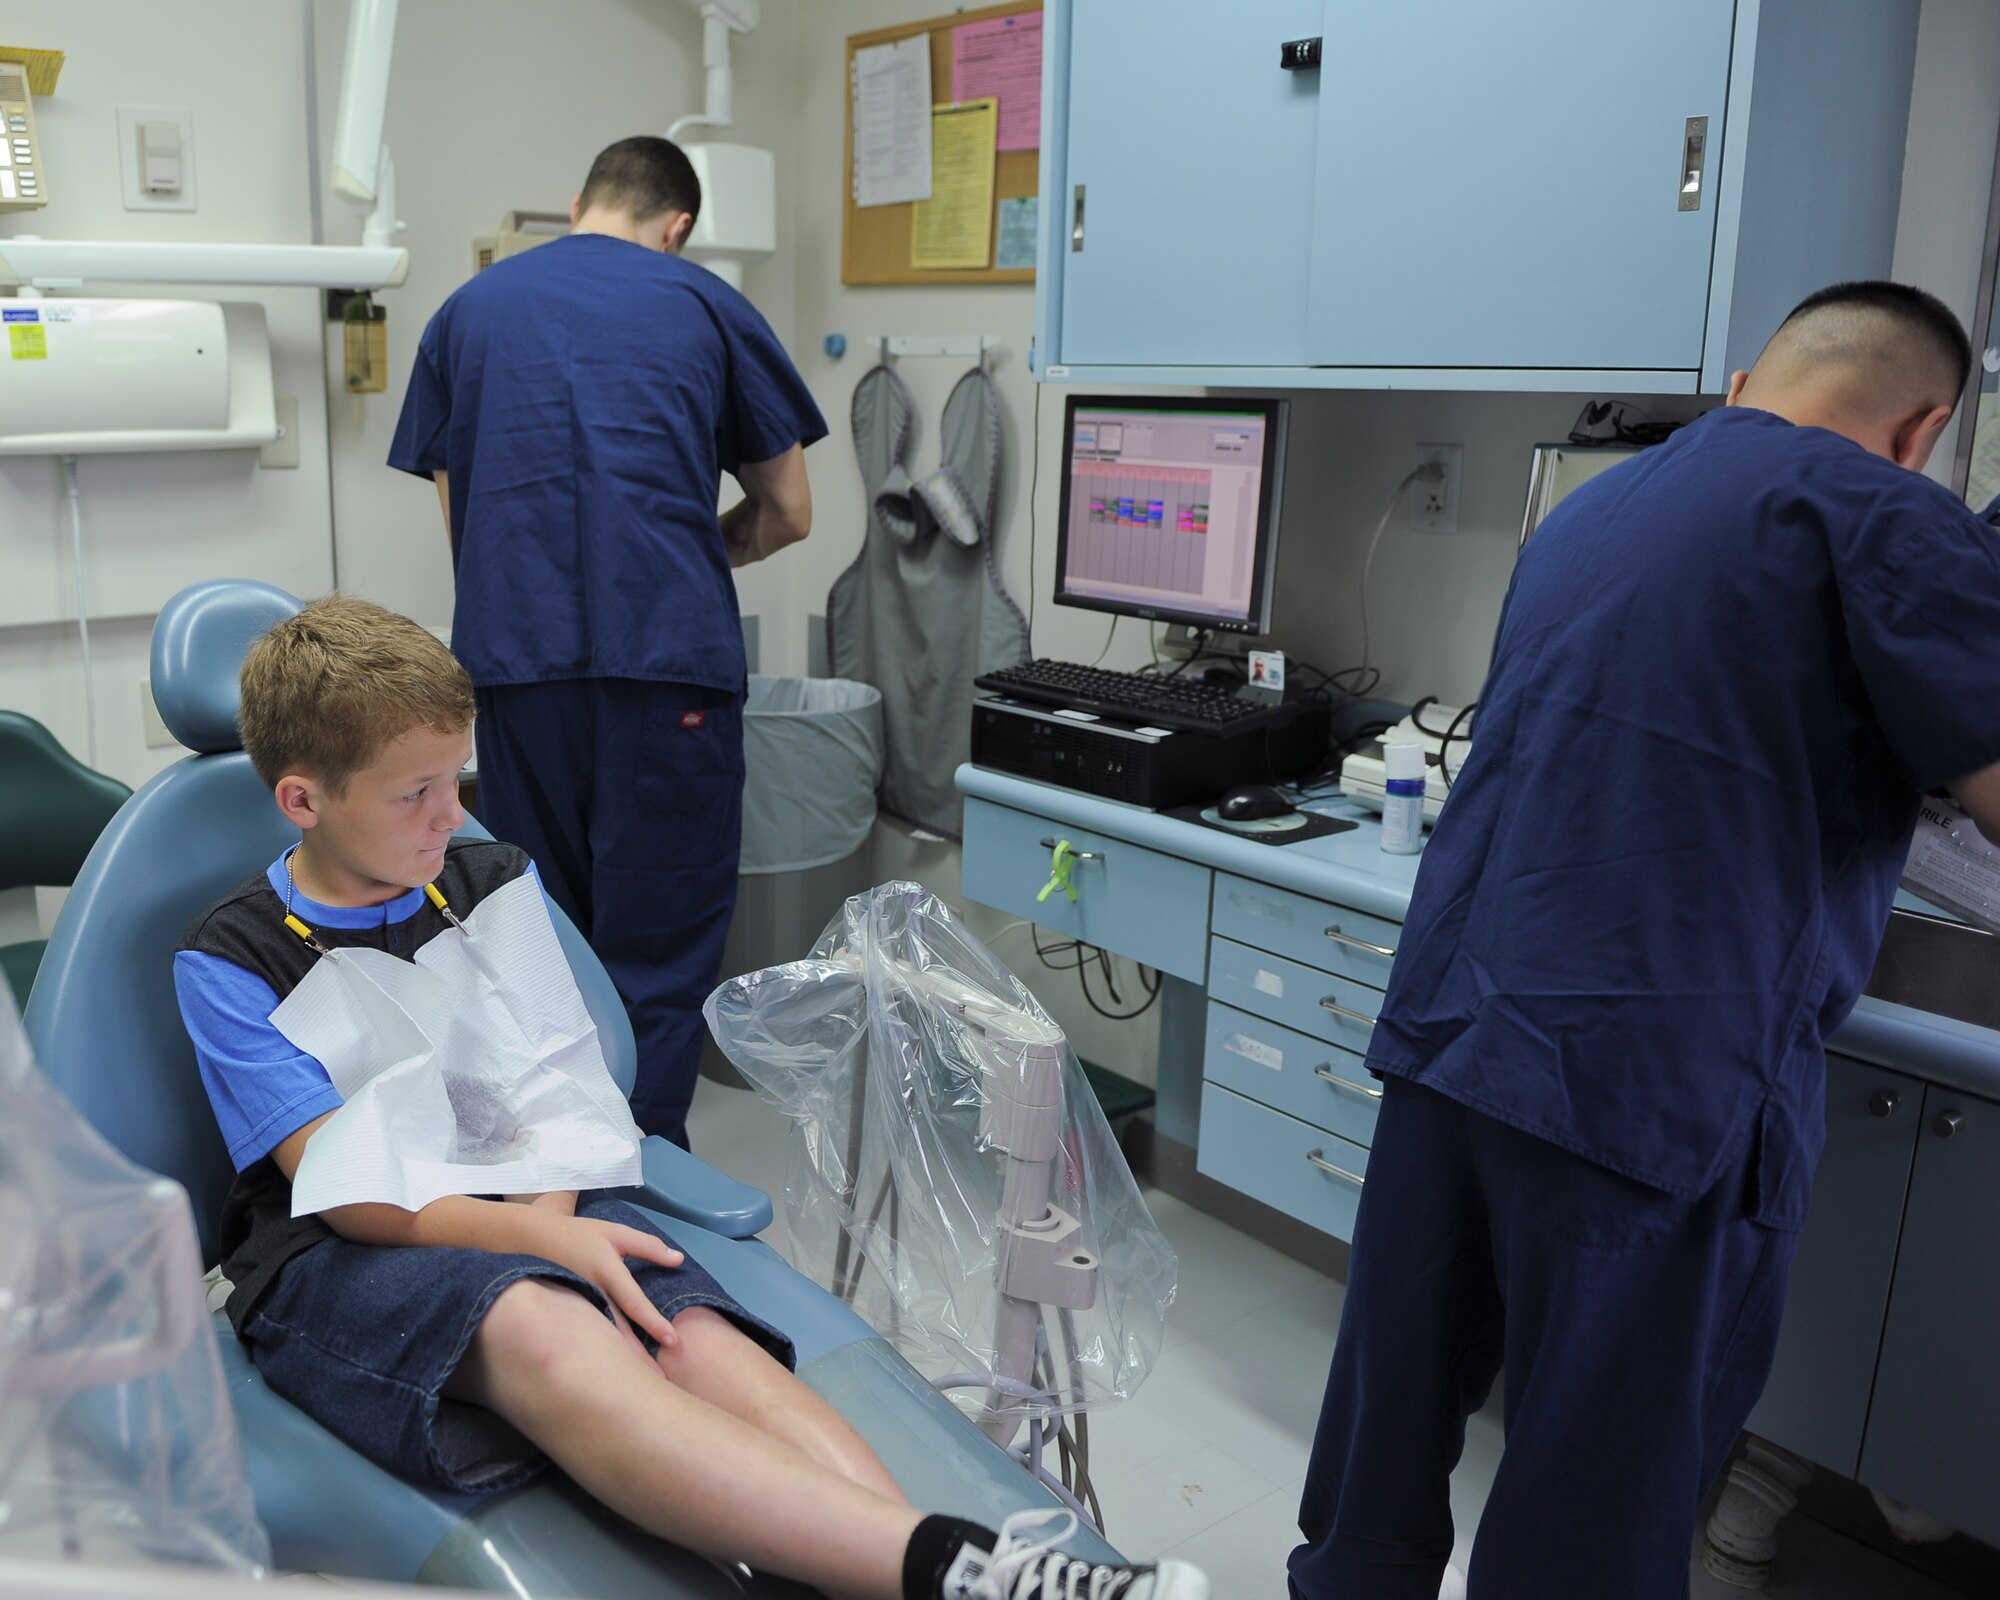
[{"x": 934, "y": 1545}]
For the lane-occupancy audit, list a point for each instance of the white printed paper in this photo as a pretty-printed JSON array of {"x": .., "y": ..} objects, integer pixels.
[
  {"x": 1953, "y": 865},
  {"x": 1269, "y": 983},
  {"x": 892, "y": 122},
  {"x": 1265, "y": 1055}
]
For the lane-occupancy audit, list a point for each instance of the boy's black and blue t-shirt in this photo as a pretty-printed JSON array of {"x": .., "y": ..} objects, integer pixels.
[{"x": 235, "y": 965}]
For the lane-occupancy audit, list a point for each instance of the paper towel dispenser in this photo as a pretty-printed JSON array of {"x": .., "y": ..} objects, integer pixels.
[{"x": 98, "y": 377}]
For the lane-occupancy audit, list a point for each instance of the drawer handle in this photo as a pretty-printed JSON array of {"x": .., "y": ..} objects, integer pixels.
[
  {"x": 1324, "y": 1165},
  {"x": 1326, "y": 1075},
  {"x": 1075, "y": 854},
  {"x": 1339, "y": 1010},
  {"x": 1349, "y": 940}
]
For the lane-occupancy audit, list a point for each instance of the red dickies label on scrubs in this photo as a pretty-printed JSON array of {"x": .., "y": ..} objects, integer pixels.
[{"x": 693, "y": 719}]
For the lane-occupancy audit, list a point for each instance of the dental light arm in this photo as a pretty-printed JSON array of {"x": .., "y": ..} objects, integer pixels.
[{"x": 362, "y": 171}]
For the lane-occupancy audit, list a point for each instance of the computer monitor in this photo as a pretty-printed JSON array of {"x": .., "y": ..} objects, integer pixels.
[{"x": 1170, "y": 509}]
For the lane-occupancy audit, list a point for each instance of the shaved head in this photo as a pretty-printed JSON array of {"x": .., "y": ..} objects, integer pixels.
[
  {"x": 1881, "y": 346},
  {"x": 1882, "y": 363}
]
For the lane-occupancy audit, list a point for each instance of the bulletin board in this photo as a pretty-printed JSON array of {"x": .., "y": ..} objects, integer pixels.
[{"x": 875, "y": 240}]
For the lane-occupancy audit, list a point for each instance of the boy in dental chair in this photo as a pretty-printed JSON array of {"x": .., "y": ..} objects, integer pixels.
[{"x": 466, "y": 1341}]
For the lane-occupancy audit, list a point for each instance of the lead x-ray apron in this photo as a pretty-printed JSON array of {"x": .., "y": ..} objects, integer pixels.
[
  {"x": 921, "y": 612},
  {"x": 473, "y": 1069}
]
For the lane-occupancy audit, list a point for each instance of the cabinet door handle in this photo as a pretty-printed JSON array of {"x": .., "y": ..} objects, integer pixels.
[
  {"x": 1327, "y": 1075},
  {"x": 1694, "y": 161},
  {"x": 1353, "y": 943},
  {"x": 1076, "y": 221},
  {"x": 1947, "y": 1123},
  {"x": 1339, "y": 1010},
  {"x": 1075, "y": 854},
  {"x": 1883, "y": 1103},
  {"x": 1324, "y": 1165}
]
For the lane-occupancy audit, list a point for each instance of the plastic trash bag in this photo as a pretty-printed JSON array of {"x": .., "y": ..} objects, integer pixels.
[
  {"x": 117, "y": 1444},
  {"x": 944, "y": 1139},
  {"x": 812, "y": 758}
]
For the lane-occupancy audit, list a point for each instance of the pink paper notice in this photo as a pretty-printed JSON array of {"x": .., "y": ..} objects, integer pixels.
[{"x": 1003, "y": 58}]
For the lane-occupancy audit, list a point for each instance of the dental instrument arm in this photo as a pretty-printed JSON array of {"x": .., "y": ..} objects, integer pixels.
[{"x": 776, "y": 509}]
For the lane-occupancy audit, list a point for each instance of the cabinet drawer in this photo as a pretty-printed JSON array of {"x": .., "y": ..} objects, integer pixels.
[
  {"x": 1316, "y": 1082},
  {"x": 1303, "y": 998},
  {"x": 1316, "y": 932},
  {"x": 1132, "y": 901},
  {"x": 1290, "y": 1165}
]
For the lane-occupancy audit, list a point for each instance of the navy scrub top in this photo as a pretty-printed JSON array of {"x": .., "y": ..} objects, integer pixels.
[
  {"x": 585, "y": 398},
  {"x": 1724, "y": 674}
]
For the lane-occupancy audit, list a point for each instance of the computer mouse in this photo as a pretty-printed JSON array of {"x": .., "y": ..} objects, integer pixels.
[{"x": 1251, "y": 802}]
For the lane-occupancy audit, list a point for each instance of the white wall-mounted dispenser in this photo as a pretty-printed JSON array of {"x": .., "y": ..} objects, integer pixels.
[{"x": 117, "y": 377}]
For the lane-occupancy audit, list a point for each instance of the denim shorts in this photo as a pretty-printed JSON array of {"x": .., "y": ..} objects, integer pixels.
[{"x": 362, "y": 1338}]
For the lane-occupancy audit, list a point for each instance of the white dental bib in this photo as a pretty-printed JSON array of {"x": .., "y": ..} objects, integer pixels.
[{"x": 474, "y": 1069}]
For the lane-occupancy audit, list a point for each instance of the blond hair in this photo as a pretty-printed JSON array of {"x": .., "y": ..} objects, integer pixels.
[{"x": 325, "y": 690}]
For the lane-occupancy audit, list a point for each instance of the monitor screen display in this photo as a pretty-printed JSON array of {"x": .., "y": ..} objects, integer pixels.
[{"x": 1169, "y": 509}]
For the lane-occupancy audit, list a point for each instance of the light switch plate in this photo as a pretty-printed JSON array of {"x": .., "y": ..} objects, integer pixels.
[{"x": 136, "y": 197}]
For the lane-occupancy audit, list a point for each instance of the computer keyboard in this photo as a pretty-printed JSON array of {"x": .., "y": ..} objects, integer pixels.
[{"x": 1180, "y": 703}]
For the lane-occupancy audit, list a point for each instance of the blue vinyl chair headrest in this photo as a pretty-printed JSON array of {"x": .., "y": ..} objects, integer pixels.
[{"x": 198, "y": 646}]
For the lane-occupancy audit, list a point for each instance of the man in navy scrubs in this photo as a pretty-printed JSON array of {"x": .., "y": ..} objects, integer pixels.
[
  {"x": 577, "y": 405},
  {"x": 1724, "y": 675}
]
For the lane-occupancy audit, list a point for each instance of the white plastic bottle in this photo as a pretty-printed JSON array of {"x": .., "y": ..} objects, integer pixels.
[{"x": 1403, "y": 801}]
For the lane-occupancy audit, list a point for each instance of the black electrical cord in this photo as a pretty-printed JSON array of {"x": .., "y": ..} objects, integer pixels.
[
  {"x": 1445, "y": 747},
  {"x": 1597, "y": 414},
  {"x": 1073, "y": 955},
  {"x": 1417, "y": 721}
]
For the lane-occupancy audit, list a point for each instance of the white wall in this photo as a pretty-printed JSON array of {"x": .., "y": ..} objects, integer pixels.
[
  {"x": 153, "y": 524},
  {"x": 1948, "y": 164}
]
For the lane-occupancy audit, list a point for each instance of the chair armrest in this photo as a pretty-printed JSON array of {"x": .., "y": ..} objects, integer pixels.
[{"x": 687, "y": 1187}]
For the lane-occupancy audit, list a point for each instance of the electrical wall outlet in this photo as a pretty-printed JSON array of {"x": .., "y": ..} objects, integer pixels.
[
  {"x": 157, "y": 736},
  {"x": 1434, "y": 502}
]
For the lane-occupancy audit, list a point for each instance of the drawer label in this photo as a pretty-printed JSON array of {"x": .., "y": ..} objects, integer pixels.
[
  {"x": 1265, "y": 1055},
  {"x": 1252, "y": 904},
  {"x": 1270, "y": 983}
]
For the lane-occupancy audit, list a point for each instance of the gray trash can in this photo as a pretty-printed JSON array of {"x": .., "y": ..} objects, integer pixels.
[{"x": 812, "y": 759}]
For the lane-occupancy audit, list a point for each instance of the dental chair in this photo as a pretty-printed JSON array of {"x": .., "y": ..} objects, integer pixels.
[
  {"x": 52, "y": 807},
  {"x": 106, "y": 1026}
]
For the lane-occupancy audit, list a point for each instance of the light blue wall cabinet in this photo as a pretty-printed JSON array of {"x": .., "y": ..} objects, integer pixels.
[
  {"x": 1179, "y": 259},
  {"x": 1547, "y": 194},
  {"x": 1517, "y": 202},
  {"x": 1934, "y": 1429}
]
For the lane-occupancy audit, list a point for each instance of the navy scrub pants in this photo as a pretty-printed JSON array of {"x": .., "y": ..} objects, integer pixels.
[
  {"x": 629, "y": 797},
  {"x": 1636, "y": 1330}
]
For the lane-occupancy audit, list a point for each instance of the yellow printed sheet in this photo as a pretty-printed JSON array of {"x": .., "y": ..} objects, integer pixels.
[{"x": 954, "y": 228}]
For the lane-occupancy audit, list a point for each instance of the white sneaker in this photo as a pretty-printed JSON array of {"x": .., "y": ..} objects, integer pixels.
[{"x": 1032, "y": 1568}]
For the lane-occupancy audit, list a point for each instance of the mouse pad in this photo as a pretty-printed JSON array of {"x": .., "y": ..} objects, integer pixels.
[{"x": 1293, "y": 828}]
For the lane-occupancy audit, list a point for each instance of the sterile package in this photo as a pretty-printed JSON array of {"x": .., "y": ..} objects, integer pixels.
[
  {"x": 117, "y": 1444},
  {"x": 1953, "y": 865},
  {"x": 949, "y": 1172}
]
